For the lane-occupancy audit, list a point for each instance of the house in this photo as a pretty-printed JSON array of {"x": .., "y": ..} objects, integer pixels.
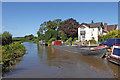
[
  {"x": 91, "y": 31},
  {"x": 109, "y": 28}
]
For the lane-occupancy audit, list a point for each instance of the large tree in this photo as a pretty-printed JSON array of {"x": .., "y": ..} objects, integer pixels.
[
  {"x": 50, "y": 34},
  {"x": 49, "y": 29},
  {"x": 70, "y": 27},
  {"x": 62, "y": 35}
]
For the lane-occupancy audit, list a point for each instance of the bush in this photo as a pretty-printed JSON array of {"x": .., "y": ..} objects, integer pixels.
[
  {"x": 10, "y": 53},
  {"x": 76, "y": 38},
  {"x": 36, "y": 41},
  {"x": 111, "y": 34},
  {"x": 91, "y": 41},
  {"x": 69, "y": 39},
  {"x": 52, "y": 39}
]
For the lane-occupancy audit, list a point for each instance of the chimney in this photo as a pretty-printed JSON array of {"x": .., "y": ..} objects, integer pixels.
[
  {"x": 92, "y": 21},
  {"x": 105, "y": 26}
]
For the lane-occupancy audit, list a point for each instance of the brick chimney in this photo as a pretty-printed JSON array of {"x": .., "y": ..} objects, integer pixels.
[
  {"x": 105, "y": 26},
  {"x": 92, "y": 21}
]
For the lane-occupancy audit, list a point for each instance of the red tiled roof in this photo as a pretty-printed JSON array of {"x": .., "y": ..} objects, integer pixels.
[{"x": 111, "y": 27}]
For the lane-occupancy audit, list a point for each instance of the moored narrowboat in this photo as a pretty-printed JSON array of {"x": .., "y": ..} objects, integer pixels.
[
  {"x": 56, "y": 43},
  {"x": 114, "y": 56},
  {"x": 42, "y": 42}
]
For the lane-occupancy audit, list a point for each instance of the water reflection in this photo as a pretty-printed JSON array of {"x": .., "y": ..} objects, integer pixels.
[{"x": 55, "y": 57}]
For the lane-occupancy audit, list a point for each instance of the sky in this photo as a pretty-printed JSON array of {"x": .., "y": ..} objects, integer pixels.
[
  {"x": 24, "y": 18},
  {"x": 60, "y": 0}
]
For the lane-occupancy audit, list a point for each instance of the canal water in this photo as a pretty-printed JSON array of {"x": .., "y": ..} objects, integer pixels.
[{"x": 49, "y": 62}]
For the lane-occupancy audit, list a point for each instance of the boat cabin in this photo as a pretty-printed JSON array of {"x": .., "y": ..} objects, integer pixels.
[
  {"x": 56, "y": 43},
  {"x": 114, "y": 56}
]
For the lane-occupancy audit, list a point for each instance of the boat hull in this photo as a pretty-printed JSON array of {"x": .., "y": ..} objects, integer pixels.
[{"x": 84, "y": 51}]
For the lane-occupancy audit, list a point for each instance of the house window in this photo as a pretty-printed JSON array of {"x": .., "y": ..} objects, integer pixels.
[
  {"x": 91, "y": 34},
  {"x": 93, "y": 29},
  {"x": 83, "y": 36},
  {"x": 82, "y": 28},
  {"x": 82, "y": 32},
  {"x": 92, "y": 38}
]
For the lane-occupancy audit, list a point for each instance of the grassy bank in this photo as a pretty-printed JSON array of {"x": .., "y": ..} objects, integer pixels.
[{"x": 10, "y": 54}]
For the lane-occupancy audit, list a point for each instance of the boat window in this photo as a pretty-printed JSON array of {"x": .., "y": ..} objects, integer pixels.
[
  {"x": 105, "y": 41},
  {"x": 116, "y": 51}
]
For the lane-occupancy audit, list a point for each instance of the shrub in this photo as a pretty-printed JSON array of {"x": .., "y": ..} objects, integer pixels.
[
  {"x": 52, "y": 39},
  {"x": 76, "y": 38},
  {"x": 36, "y": 41},
  {"x": 91, "y": 41},
  {"x": 69, "y": 39},
  {"x": 10, "y": 53}
]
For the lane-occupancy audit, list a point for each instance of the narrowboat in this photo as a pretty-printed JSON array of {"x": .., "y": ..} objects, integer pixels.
[
  {"x": 56, "y": 43},
  {"x": 114, "y": 56},
  {"x": 111, "y": 42},
  {"x": 42, "y": 42}
]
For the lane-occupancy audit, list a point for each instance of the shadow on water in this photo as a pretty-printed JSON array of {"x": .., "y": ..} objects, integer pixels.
[{"x": 49, "y": 62}]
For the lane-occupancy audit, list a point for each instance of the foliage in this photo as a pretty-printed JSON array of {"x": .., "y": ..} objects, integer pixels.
[
  {"x": 36, "y": 41},
  {"x": 52, "y": 39},
  {"x": 100, "y": 38},
  {"x": 50, "y": 34},
  {"x": 25, "y": 38},
  {"x": 41, "y": 36},
  {"x": 111, "y": 34},
  {"x": 0, "y": 39},
  {"x": 10, "y": 53},
  {"x": 76, "y": 38},
  {"x": 62, "y": 35},
  {"x": 91, "y": 42},
  {"x": 70, "y": 27},
  {"x": 69, "y": 39},
  {"x": 6, "y": 38},
  {"x": 29, "y": 37},
  {"x": 48, "y": 29}
]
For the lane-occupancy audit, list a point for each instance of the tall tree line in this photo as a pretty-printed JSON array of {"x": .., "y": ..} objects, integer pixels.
[{"x": 61, "y": 30}]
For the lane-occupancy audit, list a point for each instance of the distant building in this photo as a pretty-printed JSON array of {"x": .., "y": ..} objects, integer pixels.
[
  {"x": 109, "y": 28},
  {"x": 91, "y": 31}
]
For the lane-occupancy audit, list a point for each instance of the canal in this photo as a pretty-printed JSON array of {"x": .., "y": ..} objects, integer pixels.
[{"x": 49, "y": 62}]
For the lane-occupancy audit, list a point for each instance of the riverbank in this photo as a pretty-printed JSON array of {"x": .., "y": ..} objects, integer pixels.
[
  {"x": 11, "y": 54},
  {"x": 82, "y": 50}
]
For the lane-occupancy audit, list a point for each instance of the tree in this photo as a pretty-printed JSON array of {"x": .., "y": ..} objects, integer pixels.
[
  {"x": 6, "y": 38},
  {"x": 70, "y": 28},
  {"x": 29, "y": 37},
  {"x": 50, "y": 34},
  {"x": 48, "y": 29},
  {"x": 62, "y": 35},
  {"x": 111, "y": 34}
]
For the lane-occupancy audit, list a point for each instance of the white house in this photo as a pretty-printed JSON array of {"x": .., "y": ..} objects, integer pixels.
[{"x": 91, "y": 31}]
